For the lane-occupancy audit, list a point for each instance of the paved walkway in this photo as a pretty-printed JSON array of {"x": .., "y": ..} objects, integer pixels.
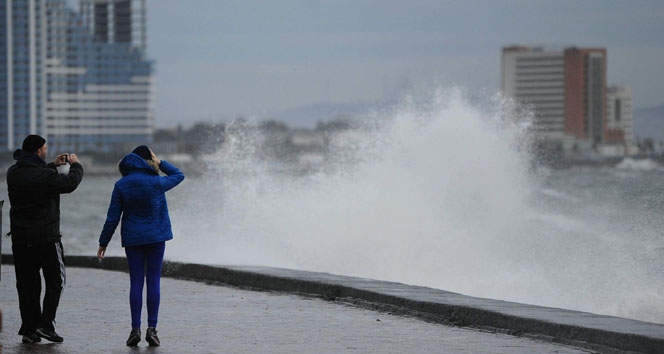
[{"x": 199, "y": 318}]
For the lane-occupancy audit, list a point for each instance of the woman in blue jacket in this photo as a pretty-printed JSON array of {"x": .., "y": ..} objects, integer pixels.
[{"x": 139, "y": 200}]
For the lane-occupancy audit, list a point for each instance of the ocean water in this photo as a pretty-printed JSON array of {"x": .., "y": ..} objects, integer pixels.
[{"x": 437, "y": 192}]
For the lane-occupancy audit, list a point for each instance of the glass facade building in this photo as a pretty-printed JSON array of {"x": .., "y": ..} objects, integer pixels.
[{"x": 80, "y": 79}]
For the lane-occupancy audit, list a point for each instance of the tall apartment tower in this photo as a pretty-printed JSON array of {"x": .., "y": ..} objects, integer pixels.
[
  {"x": 81, "y": 80},
  {"x": 566, "y": 89},
  {"x": 620, "y": 122}
]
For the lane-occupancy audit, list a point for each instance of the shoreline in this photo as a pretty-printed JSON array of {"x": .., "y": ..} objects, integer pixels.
[{"x": 197, "y": 168}]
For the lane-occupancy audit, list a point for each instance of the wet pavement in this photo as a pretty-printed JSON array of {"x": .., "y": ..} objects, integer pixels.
[{"x": 197, "y": 318}]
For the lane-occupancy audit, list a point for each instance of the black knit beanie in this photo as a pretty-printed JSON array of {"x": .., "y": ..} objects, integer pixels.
[
  {"x": 143, "y": 151},
  {"x": 32, "y": 143}
]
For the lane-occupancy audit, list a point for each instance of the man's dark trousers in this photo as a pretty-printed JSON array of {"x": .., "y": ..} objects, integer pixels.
[{"x": 28, "y": 260}]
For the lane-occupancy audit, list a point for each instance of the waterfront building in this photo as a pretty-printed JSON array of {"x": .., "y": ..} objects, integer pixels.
[
  {"x": 80, "y": 79},
  {"x": 619, "y": 113},
  {"x": 620, "y": 120},
  {"x": 565, "y": 89}
]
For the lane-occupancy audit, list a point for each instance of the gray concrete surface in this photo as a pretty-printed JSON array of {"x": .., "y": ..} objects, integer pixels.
[
  {"x": 533, "y": 324},
  {"x": 198, "y": 318}
]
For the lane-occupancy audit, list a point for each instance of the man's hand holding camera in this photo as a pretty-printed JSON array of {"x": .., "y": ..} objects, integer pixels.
[{"x": 63, "y": 159}]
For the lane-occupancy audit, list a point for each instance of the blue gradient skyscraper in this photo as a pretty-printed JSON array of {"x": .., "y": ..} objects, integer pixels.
[{"x": 81, "y": 79}]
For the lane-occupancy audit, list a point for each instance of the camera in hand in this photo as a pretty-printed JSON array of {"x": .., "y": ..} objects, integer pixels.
[{"x": 66, "y": 158}]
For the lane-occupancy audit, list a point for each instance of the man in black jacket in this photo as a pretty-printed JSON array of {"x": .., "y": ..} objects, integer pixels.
[{"x": 34, "y": 189}]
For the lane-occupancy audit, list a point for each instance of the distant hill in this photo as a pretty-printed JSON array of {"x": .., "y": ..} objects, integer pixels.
[
  {"x": 649, "y": 123},
  {"x": 310, "y": 115}
]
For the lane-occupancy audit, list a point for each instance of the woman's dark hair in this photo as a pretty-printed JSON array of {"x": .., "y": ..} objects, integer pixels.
[{"x": 143, "y": 151}]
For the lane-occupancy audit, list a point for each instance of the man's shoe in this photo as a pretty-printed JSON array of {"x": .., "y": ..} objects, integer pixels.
[
  {"x": 151, "y": 337},
  {"x": 49, "y": 335},
  {"x": 31, "y": 337},
  {"x": 134, "y": 337}
]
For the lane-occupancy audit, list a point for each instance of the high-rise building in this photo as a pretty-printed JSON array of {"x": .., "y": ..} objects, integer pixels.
[
  {"x": 536, "y": 77},
  {"x": 619, "y": 122},
  {"x": 566, "y": 90},
  {"x": 81, "y": 79}
]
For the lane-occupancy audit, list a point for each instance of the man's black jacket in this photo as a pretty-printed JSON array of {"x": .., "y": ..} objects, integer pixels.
[{"x": 34, "y": 190}]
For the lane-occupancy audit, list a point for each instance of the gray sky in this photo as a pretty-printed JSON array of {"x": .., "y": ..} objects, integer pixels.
[{"x": 219, "y": 59}]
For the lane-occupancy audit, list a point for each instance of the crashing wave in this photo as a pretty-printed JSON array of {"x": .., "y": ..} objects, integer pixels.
[{"x": 637, "y": 164}]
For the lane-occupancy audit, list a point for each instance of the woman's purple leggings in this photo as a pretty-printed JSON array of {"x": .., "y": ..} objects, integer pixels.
[{"x": 145, "y": 263}]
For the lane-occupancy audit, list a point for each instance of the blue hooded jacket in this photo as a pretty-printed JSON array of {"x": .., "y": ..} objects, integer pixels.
[{"x": 139, "y": 199}]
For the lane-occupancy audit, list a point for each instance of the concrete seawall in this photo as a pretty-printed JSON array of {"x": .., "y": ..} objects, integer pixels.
[{"x": 604, "y": 334}]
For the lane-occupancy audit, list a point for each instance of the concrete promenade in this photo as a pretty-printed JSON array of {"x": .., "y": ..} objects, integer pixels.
[{"x": 201, "y": 318}]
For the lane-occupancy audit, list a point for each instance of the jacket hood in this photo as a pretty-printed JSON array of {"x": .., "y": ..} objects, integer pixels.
[
  {"x": 28, "y": 157},
  {"x": 133, "y": 163}
]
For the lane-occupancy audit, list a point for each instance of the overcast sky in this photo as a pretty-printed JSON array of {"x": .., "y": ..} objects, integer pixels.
[{"x": 219, "y": 59}]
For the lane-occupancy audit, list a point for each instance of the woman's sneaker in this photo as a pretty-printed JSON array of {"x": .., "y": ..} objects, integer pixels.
[
  {"x": 151, "y": 337},
  {"x": 134, "y": 337}
]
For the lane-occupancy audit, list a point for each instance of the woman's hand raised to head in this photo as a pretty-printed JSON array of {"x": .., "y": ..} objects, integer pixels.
[{"x": 155, "y": 158}]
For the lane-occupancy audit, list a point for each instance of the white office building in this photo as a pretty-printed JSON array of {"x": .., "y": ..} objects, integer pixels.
[
  {"x": 619, "y": 113},
  {"x": 565, "y": 89}
]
